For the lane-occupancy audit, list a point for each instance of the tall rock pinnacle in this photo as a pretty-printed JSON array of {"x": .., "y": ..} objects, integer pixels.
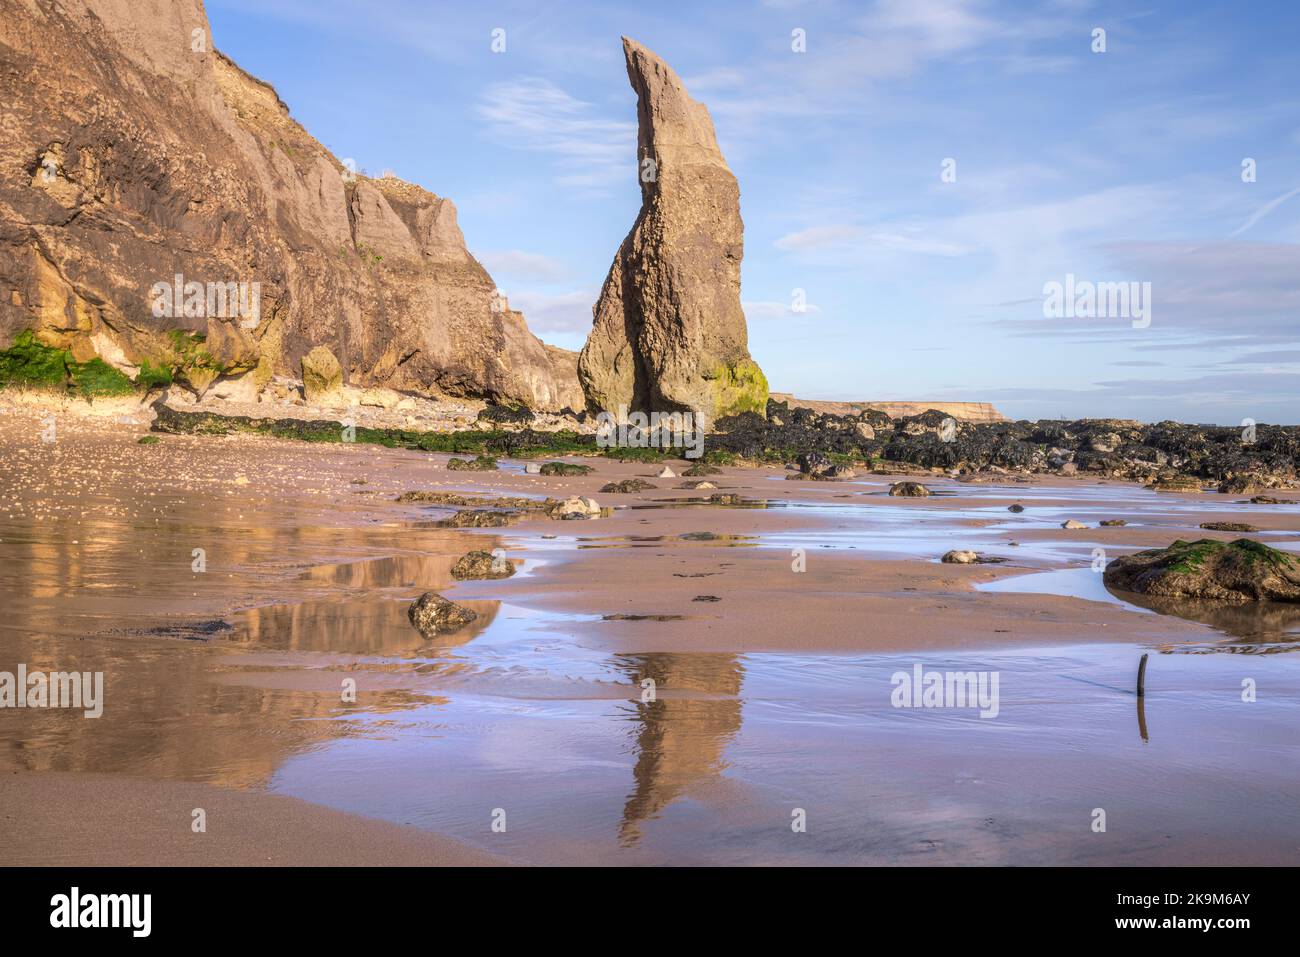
[{"x": 669, "y": 332}]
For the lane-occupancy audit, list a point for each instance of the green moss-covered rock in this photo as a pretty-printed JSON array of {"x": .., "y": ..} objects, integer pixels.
[
  {"x": 1240, "y": 570},
  {"x": 628, "y": 486},
  {"x": 565, "y": 468},
  {"x": 737, "y": 388},
  {"x": 481, "y": 463}
]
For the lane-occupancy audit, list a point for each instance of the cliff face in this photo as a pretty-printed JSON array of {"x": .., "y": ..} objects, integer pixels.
[
  {"x": 961, "y": 411},
  {"x": 669, "y": 333},
  {"x": 132, "y": 153}
]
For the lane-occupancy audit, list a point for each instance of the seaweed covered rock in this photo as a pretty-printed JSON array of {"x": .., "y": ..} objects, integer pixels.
[
  {"x": 432, "y": 615},
  {"x": 478, "y": 518},
  {"x": 628, "y": 486},
  {"x": 480, "y": 565},
  {"x": 1109, "y": 448},
  {"x": 480, "y": 463},
  {"x": 564, "y": 468},
  {"x": 1238, "y": 571},
  {"x": 908, "y": 490}
]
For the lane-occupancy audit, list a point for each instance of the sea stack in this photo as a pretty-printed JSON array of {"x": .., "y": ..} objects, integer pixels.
[{"x": 669, "y": 333}]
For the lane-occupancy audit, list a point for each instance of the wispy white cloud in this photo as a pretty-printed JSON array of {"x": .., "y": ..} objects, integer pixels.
[
  {"x": 591, "y": 153},
  {"x": 517, "y": 265},
  {"x": 555, "y": 312},
  {"x": 1264, "y": 210}
]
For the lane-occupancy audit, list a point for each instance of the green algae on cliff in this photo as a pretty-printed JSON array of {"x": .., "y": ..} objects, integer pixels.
[{"x": 31, "y": 364}]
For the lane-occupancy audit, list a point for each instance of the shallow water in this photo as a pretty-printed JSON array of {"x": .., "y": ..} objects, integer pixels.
[{"x": 713, "y": 770}]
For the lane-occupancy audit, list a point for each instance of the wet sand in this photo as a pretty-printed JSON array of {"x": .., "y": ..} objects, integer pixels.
[
  {"x": 772, "y": 683},
  {"x": 92, "y": 820}
]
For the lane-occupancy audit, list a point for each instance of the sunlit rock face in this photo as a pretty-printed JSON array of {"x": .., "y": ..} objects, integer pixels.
[
  {"x": 134, "y": 153},
  {"x": 669, "y": 332}
]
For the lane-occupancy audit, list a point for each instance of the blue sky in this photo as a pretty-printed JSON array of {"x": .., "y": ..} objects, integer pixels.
[{"x": 1122, "y": 166}]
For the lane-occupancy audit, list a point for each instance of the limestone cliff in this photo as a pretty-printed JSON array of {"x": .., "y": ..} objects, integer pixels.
[{"x": 133, "y": 153}]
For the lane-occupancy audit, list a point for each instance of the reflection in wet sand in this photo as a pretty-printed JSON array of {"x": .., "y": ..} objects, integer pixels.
[
  {"x": 374, "y": 627},
  {"x": 687, "y": 717},
  {"x": 1256, "y": 627}
]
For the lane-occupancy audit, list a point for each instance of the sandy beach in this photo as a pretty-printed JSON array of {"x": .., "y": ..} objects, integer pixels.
[{"x": 769, "y": 628}]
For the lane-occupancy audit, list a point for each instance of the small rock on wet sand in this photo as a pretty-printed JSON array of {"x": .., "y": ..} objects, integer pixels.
[
  {"x": 964, "y": 556},
  {"x": 576, "y": 507},
  {"x": 433, "y": 615},
  {"x": 909, "y": 490},
  {"x": 1228, "y": 527},
  {"x": 1072, "y": 524},
  {"x": 628, "y": 486},
  {"x": 480, "y": 565}
]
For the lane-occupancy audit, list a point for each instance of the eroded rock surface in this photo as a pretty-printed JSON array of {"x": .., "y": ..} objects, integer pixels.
[
  {"x": 669, "y": 332},
  {"x": 432, "y": 615},
  {"x": 133, "y": 153}
]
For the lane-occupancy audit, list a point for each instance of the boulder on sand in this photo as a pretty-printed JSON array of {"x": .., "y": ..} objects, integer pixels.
[
  {"x": 433, "y": 615},
  {"x": 576, "y": 507},
  {"x": 909, "y": 490},
  {"x": 628, "y": 486},
  {"x": 479, "y": 565},
  {"x": 1238, "y": 571},
  {"x": 322, "y": 378}
]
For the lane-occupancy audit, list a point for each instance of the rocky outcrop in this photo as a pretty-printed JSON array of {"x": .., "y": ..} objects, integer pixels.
[
  {"x": 133, "y": 154},
  {"x": 1170, "y": 454},
  {"x": 1242, "y": 570},
  {"x": 669, "y": 332}
]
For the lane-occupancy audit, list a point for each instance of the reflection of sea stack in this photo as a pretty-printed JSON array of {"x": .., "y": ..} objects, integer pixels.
[
  {"x": 682, "y": 739},
  {"x": 669, "y": 332}
]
